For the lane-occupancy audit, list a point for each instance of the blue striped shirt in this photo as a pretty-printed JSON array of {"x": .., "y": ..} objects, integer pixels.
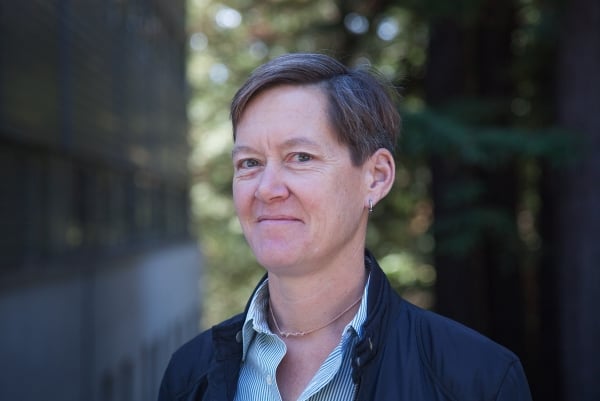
[{"x": 263, "y": 351}]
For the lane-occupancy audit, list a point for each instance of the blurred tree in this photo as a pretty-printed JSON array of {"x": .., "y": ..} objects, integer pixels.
[
  {"x": 476, "y": 203},
  {"x": 487, "y": 132},
  {"x": 573, "y": 196}
]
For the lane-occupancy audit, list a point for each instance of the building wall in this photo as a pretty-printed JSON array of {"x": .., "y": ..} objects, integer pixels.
[
  {"x": 99, "y": 276},
  {"x": 104, "y": 333}
]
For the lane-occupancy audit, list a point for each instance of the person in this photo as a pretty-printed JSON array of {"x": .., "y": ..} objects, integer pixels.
[{"x": 312, "y": 157}]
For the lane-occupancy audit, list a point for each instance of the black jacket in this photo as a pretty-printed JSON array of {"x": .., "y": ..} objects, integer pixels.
[{"x": 406, "y": 353}]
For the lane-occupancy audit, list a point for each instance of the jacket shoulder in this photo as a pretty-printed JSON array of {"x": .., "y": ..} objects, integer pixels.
[
  {"x": 464, "y": 363},
  {"x": 191, "y": 362},
  {"x": 187, "y": 366}
]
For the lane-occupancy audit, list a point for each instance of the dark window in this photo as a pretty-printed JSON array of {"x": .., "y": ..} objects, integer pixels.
[{"x": 93, "y": 130}]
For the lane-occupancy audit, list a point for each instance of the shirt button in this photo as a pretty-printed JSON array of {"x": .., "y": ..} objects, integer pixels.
[{"x": 269, "y": 380}]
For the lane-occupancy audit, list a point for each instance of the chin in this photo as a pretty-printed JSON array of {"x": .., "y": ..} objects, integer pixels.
[{"x": 276, "y": 262}]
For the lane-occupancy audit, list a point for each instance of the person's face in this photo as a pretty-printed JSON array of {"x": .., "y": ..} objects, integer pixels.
[{"x": 299, "y": 199}]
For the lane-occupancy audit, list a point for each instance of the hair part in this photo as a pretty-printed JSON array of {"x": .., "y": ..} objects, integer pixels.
[{"x": 361, "y": 107}]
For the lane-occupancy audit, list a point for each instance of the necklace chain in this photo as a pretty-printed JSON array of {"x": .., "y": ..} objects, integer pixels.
[{"x": 287, "y": 334}]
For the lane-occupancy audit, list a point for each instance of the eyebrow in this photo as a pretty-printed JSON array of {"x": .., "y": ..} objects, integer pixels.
[
  {"x": 241, "y": 148},
  {"x": 300, "y": 141},
  {"x": 290, "y": 143}
]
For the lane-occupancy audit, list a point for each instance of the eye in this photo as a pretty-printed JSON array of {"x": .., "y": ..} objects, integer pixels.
[
  {"x": 303, "y": 157},
  {"x": 247, "y": 163}
]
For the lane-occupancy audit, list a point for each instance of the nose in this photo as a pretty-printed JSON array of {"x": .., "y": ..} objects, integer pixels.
[{"x": 271, "y": 185}]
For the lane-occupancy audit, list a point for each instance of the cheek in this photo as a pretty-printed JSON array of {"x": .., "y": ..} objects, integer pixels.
[
  {"x": 328, "y": 204},
  {"x": 242, "y": 197},
  {"x": 347, "y": 195}
]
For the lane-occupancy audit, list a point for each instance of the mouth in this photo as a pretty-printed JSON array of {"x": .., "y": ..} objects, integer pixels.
[{"x": 277, "y": 218}]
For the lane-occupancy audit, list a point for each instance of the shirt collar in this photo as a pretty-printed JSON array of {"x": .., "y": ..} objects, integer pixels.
[
  {"x": 257, "y": 321},
  {"x": 256, "y": 318},
  {"x": 361, "y": 315}
]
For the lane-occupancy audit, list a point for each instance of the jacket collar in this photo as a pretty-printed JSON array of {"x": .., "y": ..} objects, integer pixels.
[
  {"x": 227, "y": 336},
  {"x": 377, "y": 316},
  {"x": 227, "y": 346}
]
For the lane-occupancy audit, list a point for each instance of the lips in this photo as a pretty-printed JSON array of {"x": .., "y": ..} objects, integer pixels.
[{"x": 277, "y": 218}]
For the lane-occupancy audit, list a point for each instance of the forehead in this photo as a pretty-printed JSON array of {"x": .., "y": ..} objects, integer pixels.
[
  {"x": 285, "y": 108},
  {"x": 288, "y": 97},
  {"x": 288, "y": 117}
]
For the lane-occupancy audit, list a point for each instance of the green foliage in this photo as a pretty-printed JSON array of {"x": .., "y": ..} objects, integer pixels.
[
  {"x": 428, "y": 133},
  {"x": 466, "y": 11},
  {"x": 483, "y": 151},
  {"x": 228, "y": 40}
]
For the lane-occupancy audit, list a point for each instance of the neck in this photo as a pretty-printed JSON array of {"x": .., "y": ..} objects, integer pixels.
[
  {"x": 319, "y": 301},
  {"x": 306, "y": 332}
]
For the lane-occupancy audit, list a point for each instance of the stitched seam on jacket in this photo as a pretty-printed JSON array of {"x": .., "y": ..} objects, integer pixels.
[
  {"x": 190, "y": 387},
  {"x": 510, "y": 367},
  {"x": 425, "y": 362}
]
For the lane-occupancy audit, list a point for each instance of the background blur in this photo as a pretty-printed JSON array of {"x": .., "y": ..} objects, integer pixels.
[
  {"x": 99, "y": 275},
  {"x": 113, "y": 112}
]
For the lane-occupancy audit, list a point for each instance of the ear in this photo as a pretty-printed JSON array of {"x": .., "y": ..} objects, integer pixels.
[{"x": 380, "y": 174}]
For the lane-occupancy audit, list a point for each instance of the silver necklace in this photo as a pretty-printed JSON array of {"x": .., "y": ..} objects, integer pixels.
[{"x": 287, "y": 334}]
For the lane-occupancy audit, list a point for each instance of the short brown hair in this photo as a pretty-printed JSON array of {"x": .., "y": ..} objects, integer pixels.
[{"x": 362, "y": 108}]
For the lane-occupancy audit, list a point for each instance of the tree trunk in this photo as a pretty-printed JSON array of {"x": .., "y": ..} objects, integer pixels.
[
  {"x": 577, "y": 215},
  {"x": 480, "y": 288},
  {"x": 458, "y": 289}
]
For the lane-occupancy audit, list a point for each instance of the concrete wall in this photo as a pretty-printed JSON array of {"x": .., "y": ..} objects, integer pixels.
[{"x": 104, "y": 333}]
